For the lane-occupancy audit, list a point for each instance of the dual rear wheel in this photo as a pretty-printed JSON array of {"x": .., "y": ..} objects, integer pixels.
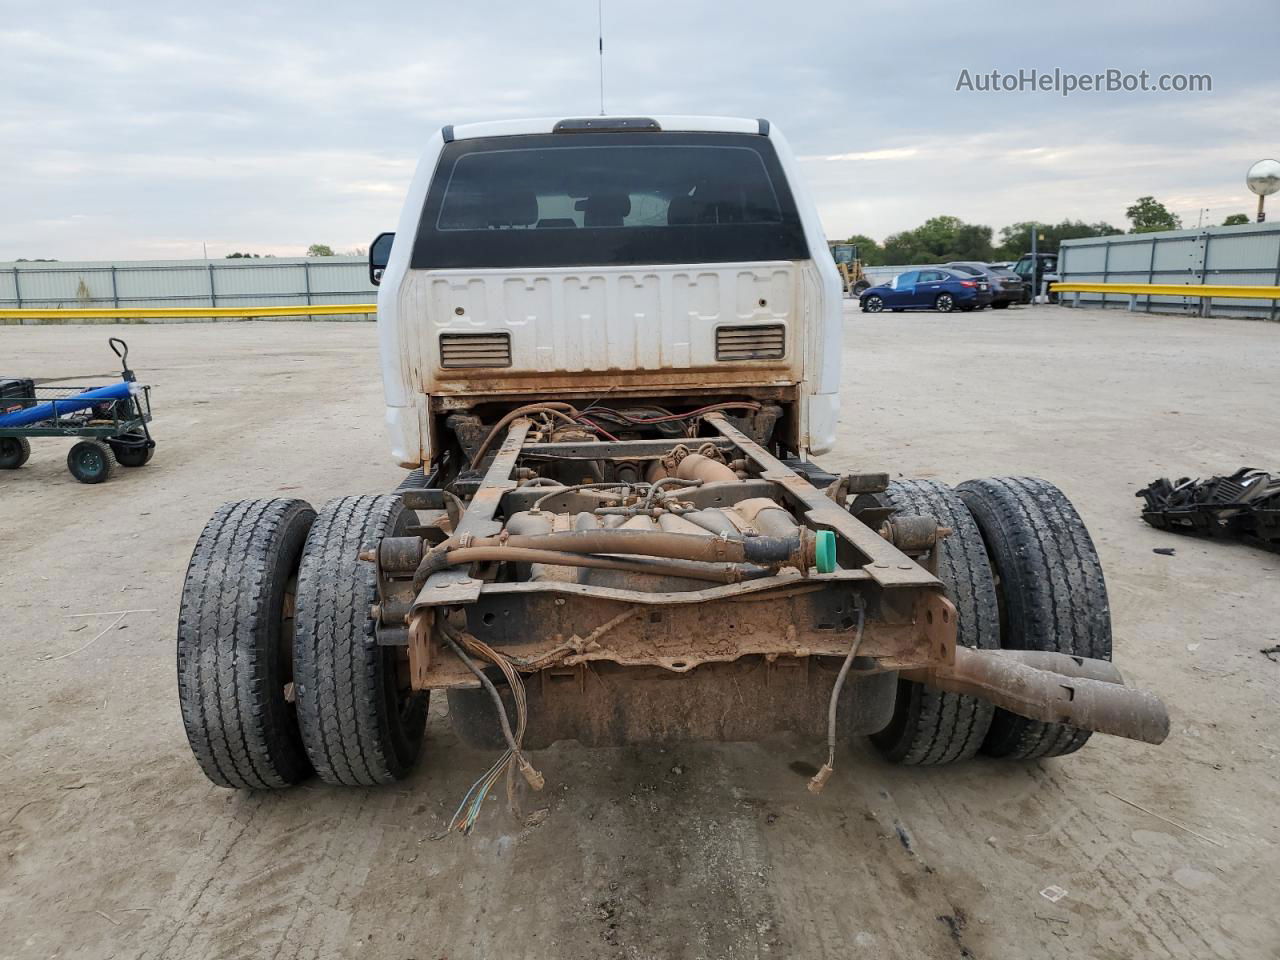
[
  {"x": 279, "y": 672},
  {"x": 1024, "y": 575}
]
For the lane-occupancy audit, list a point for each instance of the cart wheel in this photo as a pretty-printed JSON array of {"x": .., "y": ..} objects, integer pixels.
[
  {"x": 14, "y": 452},
  {"x": 133, "y": 454},
  {"x": 90, "y": 461}
]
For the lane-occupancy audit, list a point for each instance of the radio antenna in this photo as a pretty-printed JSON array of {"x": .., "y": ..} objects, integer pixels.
[{"x": 600, "y": 38}]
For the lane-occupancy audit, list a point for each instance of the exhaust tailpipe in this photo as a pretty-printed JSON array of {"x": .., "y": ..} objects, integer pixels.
[{"x": 1081, "y": 699}]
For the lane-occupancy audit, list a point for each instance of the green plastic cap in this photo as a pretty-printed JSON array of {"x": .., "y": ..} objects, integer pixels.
[{"x": 824, "y": 551}]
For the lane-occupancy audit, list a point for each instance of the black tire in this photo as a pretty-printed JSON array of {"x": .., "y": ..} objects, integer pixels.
[
  {"x": 945, "y": 303},
  {"x": 14, "y": 452},
  {"x": 873, "y": 304},
  {"x": 930, "y": 727},
  {"x": 360, "y": 723},
  {"x": 90, "y": 461},
  {"x": 234, "y": 635},
  {"x": 1051, "y": 590},
  {"x": 1001, "y": 305},
  {"x": 860, "y": 288},
  {"x": 132, "y": 454}
]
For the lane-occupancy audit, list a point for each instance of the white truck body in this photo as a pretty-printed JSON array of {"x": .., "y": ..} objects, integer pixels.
[
  {"x": 610, "y": 344},
  {"x": 624, "y": 328}
]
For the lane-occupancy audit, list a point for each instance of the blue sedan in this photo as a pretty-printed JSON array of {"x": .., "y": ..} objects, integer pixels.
[{"x": 941, "y": 290}]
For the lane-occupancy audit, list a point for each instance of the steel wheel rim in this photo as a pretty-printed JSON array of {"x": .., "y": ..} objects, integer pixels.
[{"x": 89, "y": 462}]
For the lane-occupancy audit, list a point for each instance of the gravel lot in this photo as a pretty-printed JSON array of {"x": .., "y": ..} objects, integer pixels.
[{"x": 112, "y": 844}]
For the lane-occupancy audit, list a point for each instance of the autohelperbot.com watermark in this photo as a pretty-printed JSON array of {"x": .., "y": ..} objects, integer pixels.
[{"x": 1065, "y": 82}]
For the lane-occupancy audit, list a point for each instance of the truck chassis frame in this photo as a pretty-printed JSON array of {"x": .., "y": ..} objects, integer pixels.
[{"x": 884, "y": 596}]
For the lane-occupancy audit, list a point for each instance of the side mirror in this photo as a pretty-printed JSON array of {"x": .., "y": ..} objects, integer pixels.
[{"x": 379, "y": 254}]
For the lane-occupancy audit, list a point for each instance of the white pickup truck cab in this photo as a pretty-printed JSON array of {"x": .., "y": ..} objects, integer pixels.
[{"x": 643, "y": 258}]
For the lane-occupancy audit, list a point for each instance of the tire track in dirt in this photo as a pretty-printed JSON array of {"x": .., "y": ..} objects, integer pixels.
[
  {"x": 173, "y": 923},
  {"x": 693, "y": 878},
  {"x": 323, "y": 882},
  {"x": 279, "y": 885},
  {"x": 850, "y": 879},
  {"x": 1136, "y": 899}
]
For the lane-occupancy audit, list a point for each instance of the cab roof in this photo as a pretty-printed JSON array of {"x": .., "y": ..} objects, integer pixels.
[{"x": 517, "y": 128}]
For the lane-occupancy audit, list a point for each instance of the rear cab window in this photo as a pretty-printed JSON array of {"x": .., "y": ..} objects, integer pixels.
[{"x": 597, "y": 199}]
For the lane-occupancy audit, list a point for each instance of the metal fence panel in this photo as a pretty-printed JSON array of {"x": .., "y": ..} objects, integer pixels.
[
  {"x": 1243, "y": 251},
  {"x": 1180, "y": 255},
  {"x": 1127, "y": 258},
  {"x": 1089, "y": 259},
  {"x": 269, "y": 281},
  {"x": 1245, "y": 254}
]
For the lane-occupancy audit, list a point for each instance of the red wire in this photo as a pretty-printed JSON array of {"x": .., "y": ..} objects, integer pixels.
[
  {"x": 747, "y": 405},
  {"x": 685, "y": 416},
  {"x": 599, "y": 429}
]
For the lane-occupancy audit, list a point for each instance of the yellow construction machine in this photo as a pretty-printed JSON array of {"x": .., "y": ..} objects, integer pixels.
[{"x": 853, "y": 279}]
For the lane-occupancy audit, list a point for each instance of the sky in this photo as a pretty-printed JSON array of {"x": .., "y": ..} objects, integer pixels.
[{"x": 159, "y": 130}]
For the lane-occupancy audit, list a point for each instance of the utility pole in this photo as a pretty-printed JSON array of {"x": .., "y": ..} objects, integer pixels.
[{"x": 1035, "y": 265}]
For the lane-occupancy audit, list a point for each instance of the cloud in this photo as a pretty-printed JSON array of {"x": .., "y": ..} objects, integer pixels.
[
  {"x": 273, "y": 126},
  {"x": 889, "y": 153}
]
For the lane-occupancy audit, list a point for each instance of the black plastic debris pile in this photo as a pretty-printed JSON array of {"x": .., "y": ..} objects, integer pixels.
[{"x": 1244, "y": 506}]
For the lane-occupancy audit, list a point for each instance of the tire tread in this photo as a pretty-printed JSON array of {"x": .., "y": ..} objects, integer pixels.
[
  {"x": 341, "y": 703},
  {"x": 932, "y": 727},
  {"x": 1054, "y": 591},
  {"x": 240, "y": 733},
  {"x": 23, "y": 452}
]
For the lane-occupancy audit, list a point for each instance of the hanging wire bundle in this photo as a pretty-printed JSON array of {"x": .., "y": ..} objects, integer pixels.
[{"x": 464, "y": 818}]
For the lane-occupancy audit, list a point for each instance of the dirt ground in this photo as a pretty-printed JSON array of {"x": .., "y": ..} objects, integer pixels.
[{"x": 112, "y": 844}]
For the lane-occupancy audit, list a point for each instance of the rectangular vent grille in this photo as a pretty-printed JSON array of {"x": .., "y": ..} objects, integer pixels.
[
  {"x": 475, "y": 350},
  {"x": 751, "y": 343}
]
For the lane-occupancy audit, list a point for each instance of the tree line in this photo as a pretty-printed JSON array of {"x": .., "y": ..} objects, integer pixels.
[
  {"x": 940, "y": 239},
  {"x": 315, "y": 250}
]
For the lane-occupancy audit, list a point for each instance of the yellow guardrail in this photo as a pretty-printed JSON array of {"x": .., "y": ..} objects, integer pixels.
[
  {"x": 155, "y": 313},
  {"x": 1200, "y": 290}
]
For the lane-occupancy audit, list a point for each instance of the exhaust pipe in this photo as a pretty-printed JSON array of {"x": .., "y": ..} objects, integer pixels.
[{"x": 1008, "y": 679}]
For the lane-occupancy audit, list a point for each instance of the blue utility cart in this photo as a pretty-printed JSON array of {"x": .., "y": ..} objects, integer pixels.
[{"x": 110, "y": 420}]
